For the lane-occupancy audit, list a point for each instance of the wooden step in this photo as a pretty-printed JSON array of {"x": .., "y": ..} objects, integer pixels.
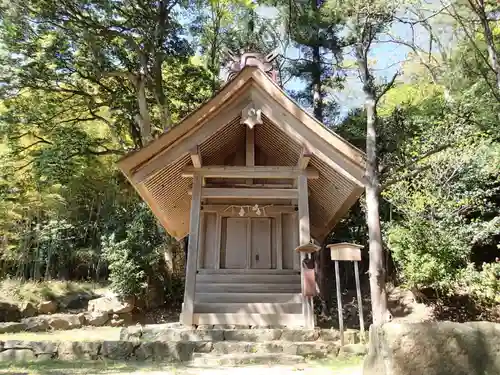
[
  {"x": 249, "y": 308},
  {"x": 247, "y": 288},
  {"x": 239, "y": 271},
  {"x": 248, "y": 278},
  {"x": 289, "y": 320},
  {"x": 248, "y": 298}
]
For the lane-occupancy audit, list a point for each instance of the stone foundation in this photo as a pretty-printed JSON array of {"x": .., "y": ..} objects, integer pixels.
[
  {"x": 176, "y": 332},
  {"x": 162, "y": 343},
  {"x": 160, "y": 351}
]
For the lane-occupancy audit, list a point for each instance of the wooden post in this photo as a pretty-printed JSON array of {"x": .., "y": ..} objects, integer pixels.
[
  {"x": 279, "y": 242},
  {"x": 360, "y": 302},
  {"x": 250, "y": 150},
  {"x": 339, "y": 303},
  {"x": 304, "y": 238},
  {"x": 192, "y": 256}
]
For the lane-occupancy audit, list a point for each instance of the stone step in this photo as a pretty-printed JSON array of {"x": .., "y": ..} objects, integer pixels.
[
  {"x": 315, "y": 349},
  {"x": 211, "y": 360},
  {"x": 168, "y": 333}
]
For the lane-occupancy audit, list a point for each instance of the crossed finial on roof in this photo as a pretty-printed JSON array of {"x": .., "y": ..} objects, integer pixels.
[{"x": 252, "y": 59}]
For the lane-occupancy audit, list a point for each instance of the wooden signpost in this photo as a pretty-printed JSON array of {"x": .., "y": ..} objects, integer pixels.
[{"x": 347, "y": 252}]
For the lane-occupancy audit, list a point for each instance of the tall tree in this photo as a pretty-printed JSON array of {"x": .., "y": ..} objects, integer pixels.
[
  {"x": 107, "y": 55},
  {"x": 365, "y": 20}
]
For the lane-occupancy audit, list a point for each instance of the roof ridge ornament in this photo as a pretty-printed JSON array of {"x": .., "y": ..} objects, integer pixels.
[
  {"x": 257, "y": 59},
  {"x": 251, "y": 116}
]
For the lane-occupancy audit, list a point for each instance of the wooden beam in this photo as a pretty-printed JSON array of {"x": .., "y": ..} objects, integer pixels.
[
  {"x": 196, "y": 157},
  {"x": 260, "y": 171},
  {"x": 304, "y": 158},
  {"x": 248, "y": 193},
  {"x": 250, "y": 150},
  {"x": 192, "y": 256},
  {"x": 304, "y": 239},
  {"x": 269, "y": 210}
]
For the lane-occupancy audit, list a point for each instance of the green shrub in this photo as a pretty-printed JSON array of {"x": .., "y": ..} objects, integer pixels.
[
  {"x": 426, "y": 253},
  {"x": 133, "y": 259},
  {"x": 483, "y": 284}
]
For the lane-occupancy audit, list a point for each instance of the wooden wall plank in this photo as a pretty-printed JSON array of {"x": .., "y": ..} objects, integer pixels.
[
  {"x": 236, "y": 242},
  {"x": 210, "y": 237},
  {"x": 261, "y": 243}
]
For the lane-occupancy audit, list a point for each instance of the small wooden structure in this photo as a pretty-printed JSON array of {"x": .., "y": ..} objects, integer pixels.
[
  {"x": 347, "y": 252},
  {"x": 249, "y": 177}
]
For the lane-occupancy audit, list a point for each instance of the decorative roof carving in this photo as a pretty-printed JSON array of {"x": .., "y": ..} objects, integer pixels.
[
  {"x": 251, "y": 116},
  {"x": 256, "y": 59}
]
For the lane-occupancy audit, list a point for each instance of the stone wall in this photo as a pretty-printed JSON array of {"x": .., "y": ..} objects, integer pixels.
[
  {"x": 443, "y": 348},
  {"x": 158, "y": 351}
]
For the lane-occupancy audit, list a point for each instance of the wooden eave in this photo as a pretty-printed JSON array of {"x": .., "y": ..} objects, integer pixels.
[{"x": 156, "y": 170}]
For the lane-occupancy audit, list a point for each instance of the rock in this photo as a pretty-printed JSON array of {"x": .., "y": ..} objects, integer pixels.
[
  {"x": 317, "y": 349},
  {"x": 192, "y": 335},
  {"x": 79, "y": 350},
  {"x": 97, "y": 318},
  {"x": 131, "y": 333},
  {"x": 329, "y": 335},
  {"x": 117, "y": 349},
  {"x": 439, "y": 348},
  {"x": 36, "y": 324},
  {"x": 9, "y": 312},
  {"x": 252, "y": 334},
  {"x": 17, "y": 355},
  {"x": 45, "y": 357},
  {"x": 77, "y": 302},
  {"x": 354, "y": 349},
  {"x": 12, "y": 327},
  {"x": 111, "y": 305},
  {"x": 27, "y": 310},
  {"x": 47, "y": 307},
  {"x": 38, "y": 347},
  {"x": 155, "y": 351},
  {"x": 64, "y": 321},
  {"x": 297, "y": 335},
  {"x": 205, "y": 326}
]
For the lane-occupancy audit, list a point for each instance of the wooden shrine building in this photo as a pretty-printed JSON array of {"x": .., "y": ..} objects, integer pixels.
[{"x": 249, "y": 177}]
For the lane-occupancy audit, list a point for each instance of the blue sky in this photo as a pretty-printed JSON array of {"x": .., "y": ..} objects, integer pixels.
[{"x": 387, "y": 58}]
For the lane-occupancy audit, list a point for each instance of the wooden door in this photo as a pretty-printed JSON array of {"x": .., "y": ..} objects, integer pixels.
[
  {"x": 260, "y": 244},
  {"x": 235, "y": 247}
]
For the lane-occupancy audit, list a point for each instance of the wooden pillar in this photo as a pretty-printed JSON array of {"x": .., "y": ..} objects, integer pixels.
[
  {"x": 192, "y": 256},
  {"x": 250, "y": 150},
  {"x": 304, "y": 238}
]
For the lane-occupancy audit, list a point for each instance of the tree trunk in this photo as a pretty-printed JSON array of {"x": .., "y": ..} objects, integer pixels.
[
  {"x": 316, "y": 84},
  {"x": 377, "y": 269},
  {"x": 490, "y": 42},
  {"x": 144, "y": 119}
]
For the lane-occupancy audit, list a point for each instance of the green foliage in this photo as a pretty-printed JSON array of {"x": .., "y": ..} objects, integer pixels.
[
  {"x": 133, "y": 254},
  {"x": 484, "y": 284},
  {"x": 428, "y": 253}
]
